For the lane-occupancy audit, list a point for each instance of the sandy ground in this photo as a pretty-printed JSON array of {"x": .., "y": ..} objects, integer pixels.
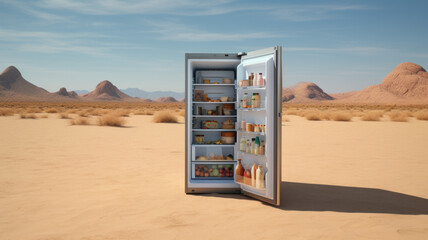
[{"x": 341, "y": 180}]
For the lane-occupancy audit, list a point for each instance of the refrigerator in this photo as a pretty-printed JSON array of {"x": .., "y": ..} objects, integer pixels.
[{"x": 233, "y": 111}]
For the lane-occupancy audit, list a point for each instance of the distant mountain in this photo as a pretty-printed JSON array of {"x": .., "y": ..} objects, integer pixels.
[
  {"x": 12, "y": 84},
  {"x": 105, "y": 90},
  {"x": 407, "y": 83},
  {"x": 303, "y": 92},
  {"x": 84, "y": 91},
  {"x": 63, "y": 92},
  {"x": 136, "y": 92},
  {"x": 166, "y": 99}
]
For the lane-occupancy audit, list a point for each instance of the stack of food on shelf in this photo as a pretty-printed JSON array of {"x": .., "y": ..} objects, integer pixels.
[
  {"x": 214, "y": 157},
  {"x": 251, "y": 127},
  {"x": 205, "y": 170},
  {"x": 254, "y": 176},
  {"x": 252, "y": 146},
  {"x": 253, "y": 80}
]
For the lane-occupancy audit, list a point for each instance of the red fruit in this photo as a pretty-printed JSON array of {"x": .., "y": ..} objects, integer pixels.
[{"x": 221, "y": 170}]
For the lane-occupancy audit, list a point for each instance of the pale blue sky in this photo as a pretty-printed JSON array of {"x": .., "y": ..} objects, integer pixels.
[{"x": 339, "y": 45}]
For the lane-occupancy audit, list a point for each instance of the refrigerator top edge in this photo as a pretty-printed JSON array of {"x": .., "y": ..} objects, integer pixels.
[{"x": 212, "y": 56}]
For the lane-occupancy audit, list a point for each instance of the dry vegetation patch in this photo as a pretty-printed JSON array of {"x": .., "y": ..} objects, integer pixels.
[
  {"x": 28, "y": 116},
  {"x": 6, "y": 112},
  {"x": 165, "y": 117},
  {"x": 79, "y": 121},
  {"x": 340, "y": 116},
  {"x": 397, "y": 116},
  {"x": 422, "y": 115},
  {"x": 112, "y": 120},
  {"x": 372, "y": 116}
]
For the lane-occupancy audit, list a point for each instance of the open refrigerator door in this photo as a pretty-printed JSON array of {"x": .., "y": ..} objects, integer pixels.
[{"x": 258, "y": 170}]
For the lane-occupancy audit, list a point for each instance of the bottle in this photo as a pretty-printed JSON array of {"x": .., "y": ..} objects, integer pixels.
[
  {"x": 261, "y": 80},
  {"x": 243, "y": 144},
  {"x": 251, "y": 79},
  {"x": 260, "y": 177},
  {"x": 262, "y": 148},
  {"x": 253, "y": 175},
  {"x": 257, "y": 146},
  {"x": 243, "y": 125},
  {"x": 253, "y": 101},
  {"x": 258, "y": 100},
  {"x": 245, "y": 100},
  {"x": 256, "y": 80},
  {"x": 239, "y": 170},
  {"x": 248, "y": 150},
  {"x": 253, "y": 143}
]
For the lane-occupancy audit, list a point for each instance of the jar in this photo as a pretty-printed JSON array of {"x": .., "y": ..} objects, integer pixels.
[
  {"x": 228, "y": 137},
  {"x": 245, "y": 101},
  {"x": 250, "y": 127}
]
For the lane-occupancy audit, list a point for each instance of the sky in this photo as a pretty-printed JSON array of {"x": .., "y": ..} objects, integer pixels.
[{"x": 339, "y": 45}]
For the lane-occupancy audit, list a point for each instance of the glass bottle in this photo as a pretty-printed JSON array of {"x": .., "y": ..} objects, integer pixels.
[
  {"x": 248, "y": 150},
  {"x": 251, "y": 79},
  {"x": 243, "y": 144},
  {"x": 239, "y": 170},
  {"x": 253, "y": 144},
  {"x": 245, "y": 100},
  {"x": 257, "y": 146},
  {"x": 253, "y": 101},
  {"x": 261, "y": 80}
]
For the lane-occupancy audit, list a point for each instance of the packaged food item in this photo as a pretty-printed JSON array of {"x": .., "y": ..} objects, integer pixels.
[
  {"x": 228, "y": 137},
  {"x": 250, "y": 127},
  {"x": 258, "y": 100},
  {"x": 253, "y": 101},
  {"x": 210, "y": 124},
  {"x": 262, "y": 148},
  {"x": 206, "y": 81},
  {"x": 243, "y": 125},
  {"x": 228, "y": 124},
  {"x": 199, "y": 139},
  {"x": 227, "y": 81},
  {"x": 260, "y": 177}
]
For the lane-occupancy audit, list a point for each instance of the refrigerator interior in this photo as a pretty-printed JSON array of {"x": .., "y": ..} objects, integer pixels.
[
  {"x": 210, "y": 164},
  {"x": 263, "y": 115}
]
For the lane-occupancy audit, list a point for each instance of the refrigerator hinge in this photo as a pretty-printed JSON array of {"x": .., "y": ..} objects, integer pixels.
[{"x": 240, "y": 54}]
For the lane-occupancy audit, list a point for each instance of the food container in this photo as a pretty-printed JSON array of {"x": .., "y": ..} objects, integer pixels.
[
  {"x": 227, "y": 81},
  {"x": 228, "y": 137},
  {"x": 243, "y": 83},
  {"x": 224, "y": 99},
  {"x": 209, "y": 112},
  {"x": 229, "y": 124},
  {"x": 199, "y": 139},
  {"x": 206, "y": 81},
  {"x": 213, "y": 171},
  {"x": 250, "y": 127},
  {"x": 209, "y": 124},
  {"x": 243, "y": 125}
]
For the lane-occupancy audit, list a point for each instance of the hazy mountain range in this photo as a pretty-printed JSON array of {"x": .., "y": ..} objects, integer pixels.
[{"x": 406, "y": 84}]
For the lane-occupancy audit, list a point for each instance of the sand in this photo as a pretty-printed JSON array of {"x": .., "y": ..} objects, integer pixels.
[{"x": 341, "y": 180}]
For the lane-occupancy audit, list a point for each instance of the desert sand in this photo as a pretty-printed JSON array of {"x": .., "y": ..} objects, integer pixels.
[{"x": 341, "y": 180}]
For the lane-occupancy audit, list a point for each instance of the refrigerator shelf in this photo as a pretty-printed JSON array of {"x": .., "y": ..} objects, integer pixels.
[
  {"x": 213, "y": 102},
  {"x": 252, "y": 109},
  {"x": 214, "y": 116},
  {"x": 213, "y": 85},
  {"x": 214, "y": 130},
  {"x": 212, "y": 145},
  {"x": 214, "y": 161},
  {"x": 252, "y": 155},
  {"x": 255, "y": 88},
  {"x": 251, "y": 187},
  {"x": 252, "y": 133}
]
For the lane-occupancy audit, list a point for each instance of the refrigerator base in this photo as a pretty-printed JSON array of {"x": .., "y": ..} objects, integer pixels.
[{"x": 212, "y": 190}]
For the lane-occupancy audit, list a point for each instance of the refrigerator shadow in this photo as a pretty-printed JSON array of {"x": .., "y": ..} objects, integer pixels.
[{"x": 318, "y": 197}]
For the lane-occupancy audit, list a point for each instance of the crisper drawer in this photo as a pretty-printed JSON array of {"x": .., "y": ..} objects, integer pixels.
[
  {"x": 212, "y": 171},
  {"x": 213, "y": 153}
]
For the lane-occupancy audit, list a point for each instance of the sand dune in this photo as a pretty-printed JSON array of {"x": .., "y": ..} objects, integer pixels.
[{"x": 346, "y": 180}]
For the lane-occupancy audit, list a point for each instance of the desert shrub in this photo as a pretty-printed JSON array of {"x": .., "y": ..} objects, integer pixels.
[
  {"x": 422, "y": 115},
  {"x": 122, "y": 112},
  {"x": 51, "y": 110},
  {"x": 112, "y": 120},
  {"x": 44, "y": 116},
  {"x": 372, "y": 116},
  {"x": 79, "y": 121},
  {"x": 340, "y": 116},
  {"x": 165, "y": 117},
  {"x": 6, "y": 112},
  {"x": 28, "y": 116},
  {"x": 313, "y": 115},
  {"x": 63, "y": 116},
  {"x": 398, "y": 116}
]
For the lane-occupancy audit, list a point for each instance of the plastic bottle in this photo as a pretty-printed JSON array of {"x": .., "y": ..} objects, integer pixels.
[
  {"x": 262, "y": 148},
  {"x": 258, "y": 100},
  {"x": 253, "y": 174},
  {"x": 248, "y": 150},
  {"x": 239, "y": 170},
  {"x": 253, "y": 101},
  {"x": 245, "y": 100},
  {"x": 253, "y": 143},
  {"x": 257, "y": 146},
  {"x": 261, "y": 80},
  {"x": 260, "y": 177},
  {"x": 251, "y": 79},
  {"x": 243, "y": 144}
]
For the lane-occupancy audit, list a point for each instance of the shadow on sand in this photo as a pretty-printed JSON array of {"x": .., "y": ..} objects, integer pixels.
[{"x": 318, "y": 197}]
